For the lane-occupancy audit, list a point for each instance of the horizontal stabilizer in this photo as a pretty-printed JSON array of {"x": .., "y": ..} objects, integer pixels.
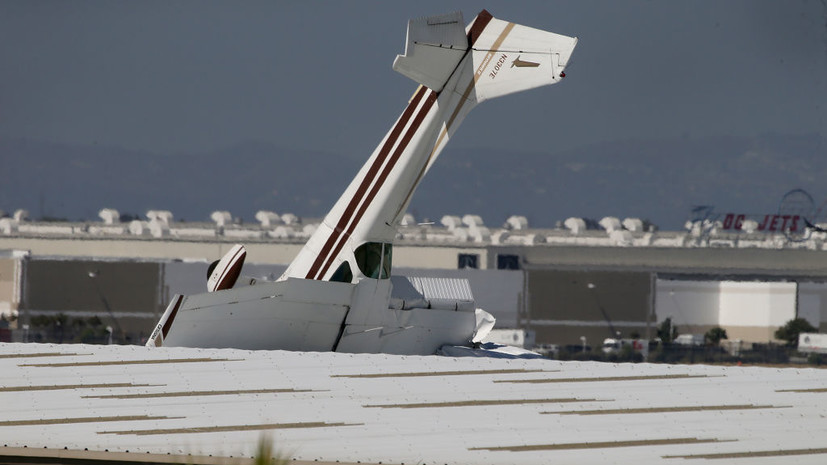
[
  {"x": 434, "y": 48},
  {"x": 509, "y": 58}
]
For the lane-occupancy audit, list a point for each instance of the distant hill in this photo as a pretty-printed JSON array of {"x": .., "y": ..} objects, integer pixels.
[{"x": 656, "y": 180}]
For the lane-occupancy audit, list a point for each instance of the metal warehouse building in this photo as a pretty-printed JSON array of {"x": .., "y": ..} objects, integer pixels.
[{"x": 564, "y": 283}]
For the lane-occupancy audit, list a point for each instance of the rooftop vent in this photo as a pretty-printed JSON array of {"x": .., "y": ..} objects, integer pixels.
[
  {"x": 500, "y": 237},
  {"x": 633, "y": 224},
  {"x": 516, "y": 223},
  {"x": 289, "y": 218},
  {"x": 749, "y": 226},
  {"x": 575, "y": 225},
  {"x": 109, "y": 216},
  {"x": 21, "y": 215},
  {"x": 8, "y": 226},
  {"x": 610, "y": 223},
  {"x": 267, "y": 218},
  {"x": 137, "y": 227},
  {"x": 221, "y": 218},
  {"x": 451, "y": 222},
  {"x": 472, "y": 221},
  {"x": 533, "y": 239},
  {"x": 158, "y": 228},
  {"x": 621, "y": 237},
  {"x": 161, "y": 216}
]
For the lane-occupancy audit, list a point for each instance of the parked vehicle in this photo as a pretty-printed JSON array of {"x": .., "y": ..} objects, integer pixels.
[{"x": 812, "y": 343}]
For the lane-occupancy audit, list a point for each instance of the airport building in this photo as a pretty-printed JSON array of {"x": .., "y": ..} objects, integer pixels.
[{"x": 566, "y": 285}]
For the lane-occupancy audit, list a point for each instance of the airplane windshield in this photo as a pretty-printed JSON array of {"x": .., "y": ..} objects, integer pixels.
[{"x": 374, "y": 259}]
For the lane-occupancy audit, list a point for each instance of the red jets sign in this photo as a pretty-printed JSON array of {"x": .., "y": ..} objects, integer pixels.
[{"x": 770, "y": 223}]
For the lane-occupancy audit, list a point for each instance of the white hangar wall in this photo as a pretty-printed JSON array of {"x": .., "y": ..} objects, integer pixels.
[
  {"x": 753, "y": 311},
  {"x": 750, "y": 311}
]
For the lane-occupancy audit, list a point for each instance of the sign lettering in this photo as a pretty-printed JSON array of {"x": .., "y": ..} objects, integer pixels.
[{"x": 769, "y": 223}]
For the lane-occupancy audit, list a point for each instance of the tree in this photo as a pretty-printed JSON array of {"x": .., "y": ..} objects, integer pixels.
[
  {"x": 715, "y": 335},
  {"x": 666, "y": 331},
  {"x": 790, "y": 331}
]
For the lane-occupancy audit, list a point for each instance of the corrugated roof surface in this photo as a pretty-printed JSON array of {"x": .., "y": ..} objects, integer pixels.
[
  {"x": 442, "y": 288},
  {"x": 405, "y": 409}
]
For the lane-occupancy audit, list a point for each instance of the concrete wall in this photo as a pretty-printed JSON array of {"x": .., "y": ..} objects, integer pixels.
[
  {"x": 445, "y": 258},
  {"x": 148, "y": 249}
]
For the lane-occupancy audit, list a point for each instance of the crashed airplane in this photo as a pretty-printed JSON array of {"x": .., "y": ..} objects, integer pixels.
[{"x": 338, "y": 293}]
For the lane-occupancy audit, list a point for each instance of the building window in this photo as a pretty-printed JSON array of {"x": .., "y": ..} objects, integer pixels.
[
  {"x": 508, "y": 262},
  {"x": 468, "y": 260}
]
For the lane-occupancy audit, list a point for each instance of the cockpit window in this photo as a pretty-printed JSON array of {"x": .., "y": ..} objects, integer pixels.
[
  {"x": 343, "y": 274},
  {"x": 374, "y": 259}
]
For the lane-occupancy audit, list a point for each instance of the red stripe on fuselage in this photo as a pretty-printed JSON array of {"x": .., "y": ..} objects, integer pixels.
[
  {"x": 426, "y": 108},
  {"x": 366, "y": 181}
]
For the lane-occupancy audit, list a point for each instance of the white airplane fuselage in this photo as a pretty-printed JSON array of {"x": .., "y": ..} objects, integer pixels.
[{"x": 336, "y": 294}]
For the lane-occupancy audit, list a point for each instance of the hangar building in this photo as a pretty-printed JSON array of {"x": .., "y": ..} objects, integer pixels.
[{"x": 563, "y": 283}]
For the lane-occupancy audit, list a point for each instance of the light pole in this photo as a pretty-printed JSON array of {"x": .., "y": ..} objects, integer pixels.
[
  {"x": 93, "y": 275},
  {"x": 612, "y": 331}
]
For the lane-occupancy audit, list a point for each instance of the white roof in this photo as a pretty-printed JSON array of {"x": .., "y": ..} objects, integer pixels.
[{"x": 402, "y": 409}]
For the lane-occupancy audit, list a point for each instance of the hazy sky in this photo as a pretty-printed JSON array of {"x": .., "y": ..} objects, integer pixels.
[{"x": 192, "y": 76}]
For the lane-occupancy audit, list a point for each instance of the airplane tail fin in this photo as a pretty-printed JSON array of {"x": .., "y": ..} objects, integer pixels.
[
  {"x": 504, "y": 57},
  {"x": 509, "y": 58}
]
